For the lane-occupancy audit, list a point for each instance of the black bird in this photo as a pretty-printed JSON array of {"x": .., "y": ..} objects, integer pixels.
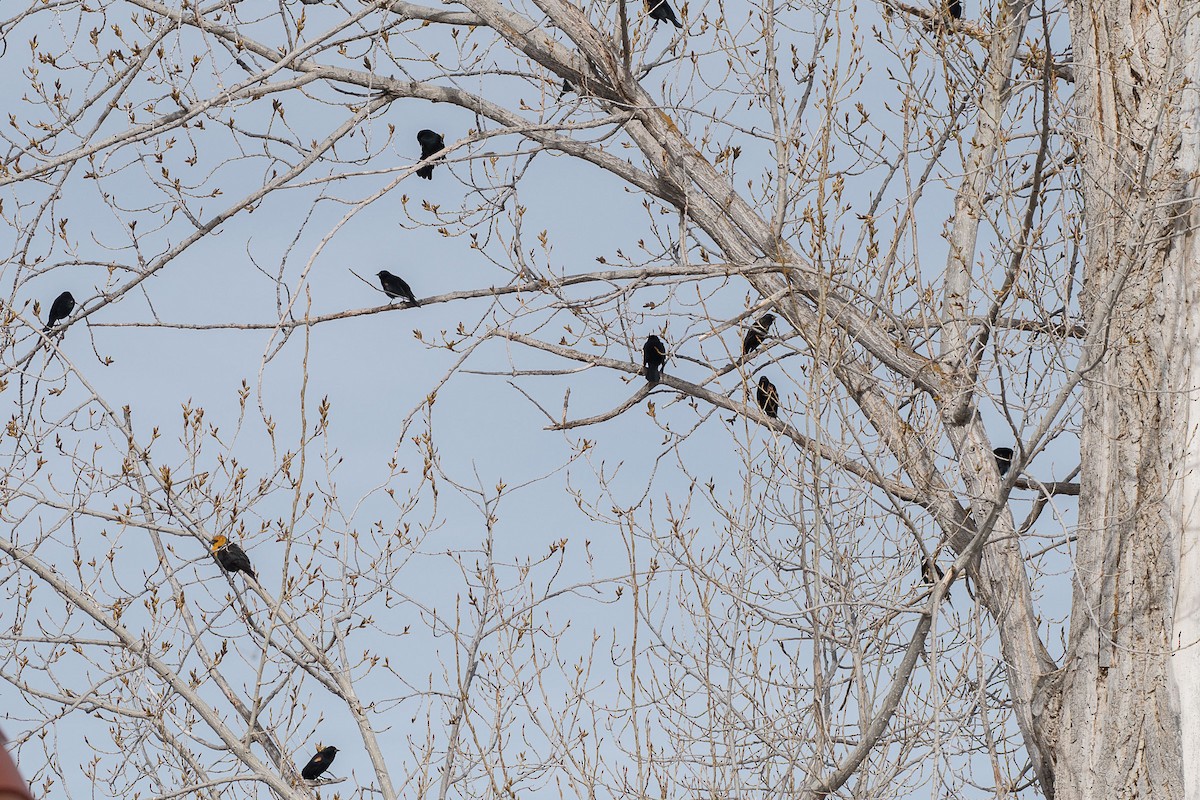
[
  {"x": 931, "y": 576},
  {"x": 396, "y": 287},
  {"x": 317, "y": 765},
  {"x": 654, "y": 356},
  {"x": 757, "y": 333},
  {"x": 1004, "y": 456},
  {"x": 431, "y": 144},
  {"x": 954, "y": 7},
  {"x": 768, "y": 398},
  {"x": 567, "y": 87},
  {"x": 231, "y": 557},
  {"x": 60, "y": 309},
  {"x": 661, "y": 11}
]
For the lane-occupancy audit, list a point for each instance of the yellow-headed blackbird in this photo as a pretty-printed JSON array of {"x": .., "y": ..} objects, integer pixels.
[
  {"x": 60, "y": 309},
  {"x": 396, "y": 287},
  {"x": 654, "y": 356},
  {"x": 661, "y": 11},
  {"x": 757, "y": 333},
  {"x": 768, "y": 397},
  {"x": 231, "y": 557},
  {"x": 1004, "y": 457},
  {"x": 317, "y": 765},
  {"x": 431, "y": 144}
]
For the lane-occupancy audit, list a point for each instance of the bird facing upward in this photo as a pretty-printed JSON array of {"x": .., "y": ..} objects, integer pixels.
[
  {"x": 661, "y": 11},
  {"x": 1004, "y": 456},
  {"x": 317, "y": 765},
  {"x": 654, "y": 356},
  {"x": 757, "y": 334},
  {"x": 933, "y": 575},
  {"x": 431, "y": 144},
  {"x": 231, "y": 557},
  {"x": 60, "y": 309},
  {"x": 768, "y": 397},
  {"x": 396, "y": 287}
]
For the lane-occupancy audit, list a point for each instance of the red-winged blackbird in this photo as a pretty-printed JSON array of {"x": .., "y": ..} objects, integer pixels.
[
  {"x": 654, "y": 356},
  {"x": 396, "y": 287},
  {"x": 431, "y": 144},
  {"x": 60, "y": 309},
  {"x": 661, "y": 11},
  {"x": 954, "y": 7},
  {"x": 768, "y": 397},
  {"x": 231, "y": 557},
  {"x": 1004, "y": 456},
  {"x": 757, "y": 333},
  {"x": 317, "y": 765}
]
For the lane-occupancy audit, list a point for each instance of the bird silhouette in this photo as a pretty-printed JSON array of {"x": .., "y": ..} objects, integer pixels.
[
  {"x": 60, "y": 309},
  {"x": 1004, "y": 457},
  {"x": 317, "y": 765},
  {"x": 654, "y": 356},
  {"x": 933, "y": 575},
  {"x": 661, "y": 11},
  {"x": 757, "y": 334},
  {"x": 396, "y": 287},
  {"x": 231, "y": 557},
  {"x": 768, "y": 397},
  {"x": 431, "y": 144},
  {"x": 954, "y": 7}
]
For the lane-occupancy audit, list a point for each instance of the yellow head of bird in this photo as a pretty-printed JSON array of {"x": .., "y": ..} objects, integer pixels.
[{"x": 218, "y": 542}]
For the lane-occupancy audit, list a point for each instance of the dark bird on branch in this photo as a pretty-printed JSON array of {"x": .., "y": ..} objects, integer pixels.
[
  {"x": 60, "y": 309},
  {"x": 567, "y": 87},
  {"x": 768, "y": 397},
  {"x": 1004, "y": 457},
  {"x": 431, "y": 144},
  {"x": 661, "y": 11},
  {"x": 757, "y": 334},
  {"x": 317, "y": 765},
  {"x": 396, "y": 287},
  {"x": 931, "y": 576},
  {"x": 231, "y": 557},
  {"x": 954, "y": 7},
  {"x": 654, "y": 356}
]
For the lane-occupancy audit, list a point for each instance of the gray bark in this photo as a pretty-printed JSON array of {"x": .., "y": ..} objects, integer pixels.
[{"x": 1119, "y": 734}]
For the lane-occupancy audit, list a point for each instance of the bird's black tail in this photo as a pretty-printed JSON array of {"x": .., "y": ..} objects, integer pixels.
[
  {"x": 675, "y": 19},
  {"x": 653, "y": 373},
  {"x": 426, "y": 172}
]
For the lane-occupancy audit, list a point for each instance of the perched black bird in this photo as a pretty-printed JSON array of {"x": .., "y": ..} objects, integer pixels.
[
  {"x": 317, "y": 765},
  {"x": 757, "y": 333},
  {"x": 567, "y": 87},
  {"x": 231, "y": 557},
  {"x": 431, "y": 144},
  {"x": 768, "y": 397},
  {"x": 661, "y": 11},
  {"x": 954, "y": 7},
  {"x": 1004, "y": 456},
  {"x": 60, "y": 309},
  {"x": 928, "y": 575},
  {"x": 654, "y": 356},
  {"x": 396, "y": 287}
]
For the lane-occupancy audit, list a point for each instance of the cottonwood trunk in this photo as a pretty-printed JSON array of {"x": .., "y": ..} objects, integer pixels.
[{"x": 1123, "y": 730}]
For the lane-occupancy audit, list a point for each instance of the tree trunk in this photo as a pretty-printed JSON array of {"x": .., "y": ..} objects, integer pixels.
[{"x": 1120, "y": 728}]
